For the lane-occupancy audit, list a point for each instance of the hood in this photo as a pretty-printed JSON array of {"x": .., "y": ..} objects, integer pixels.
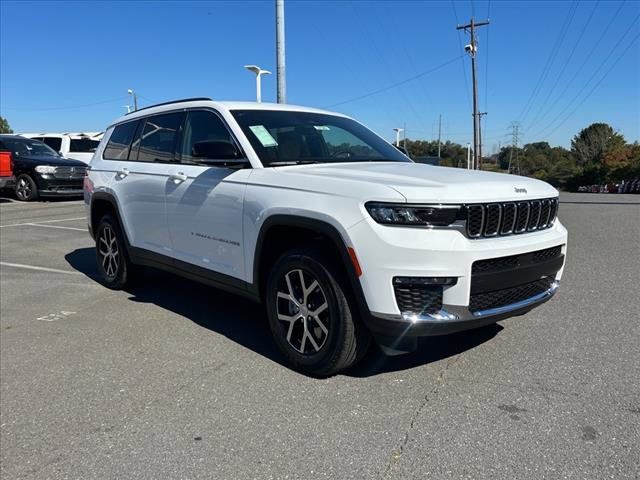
[
  {"x": 48, "y": 160},
  {"x": 422, "y": 183}
]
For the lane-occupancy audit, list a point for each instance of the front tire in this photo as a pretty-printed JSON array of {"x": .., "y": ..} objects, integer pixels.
[
  {"x": 26, "y": 189},
  {"x": 114, "y": 267},
  {"x": 310, "y": 313}
]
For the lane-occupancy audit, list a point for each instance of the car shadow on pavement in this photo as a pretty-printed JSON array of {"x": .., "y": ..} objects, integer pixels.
[{"x": 244, "y": 322}]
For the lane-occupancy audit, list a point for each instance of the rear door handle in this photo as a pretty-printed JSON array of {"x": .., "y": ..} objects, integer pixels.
[
  {"x": 123, "y": 173},
  {"x": 178, "y": 177}
]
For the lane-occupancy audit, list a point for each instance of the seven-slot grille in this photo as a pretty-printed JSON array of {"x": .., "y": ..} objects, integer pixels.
[
  {"x": 492, "y": 219},
  {"x": 69, "y": 172}
]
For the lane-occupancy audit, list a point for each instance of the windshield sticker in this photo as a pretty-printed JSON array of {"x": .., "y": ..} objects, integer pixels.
[
  {"x": 321, "y": 127},
  {"x": 264, "y": 136}
]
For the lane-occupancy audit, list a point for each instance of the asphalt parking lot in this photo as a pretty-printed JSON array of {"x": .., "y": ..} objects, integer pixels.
[{"x": 176, "y": 380}]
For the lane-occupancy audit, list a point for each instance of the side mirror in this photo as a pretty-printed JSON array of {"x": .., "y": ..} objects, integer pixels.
[{"x": 214, "y": 150}]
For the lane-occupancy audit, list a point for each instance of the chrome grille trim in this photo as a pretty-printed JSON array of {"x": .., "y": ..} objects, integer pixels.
[
  {"x": 492, "y": 210},
  {"x": 508, "y": 228},
  {"x": 499, "y": 219},
  {"x": 534, "y": 215}
]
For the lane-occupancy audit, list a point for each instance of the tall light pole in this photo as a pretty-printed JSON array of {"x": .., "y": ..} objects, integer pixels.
[
  {"x": 135, "y": 98},
  {"x": 259, "y": 72},
  {"x": 280, "y": 61},
  {"x": 398, "y": 130}
]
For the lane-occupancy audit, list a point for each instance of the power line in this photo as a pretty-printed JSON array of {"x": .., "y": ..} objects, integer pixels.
[
  {"x": 537, "y": 118},
  {"x": 69, "y": 107},
  {"x": 550, "y": 59},
  {"x": 397, "y": 84},
  {"x": 593, "y": 75},
  {"x": 586, "y": 60},
  {"x": 464, "y": 69},
  {"x": 486, "y": 63},
  {"x": 596, "y": 85}
]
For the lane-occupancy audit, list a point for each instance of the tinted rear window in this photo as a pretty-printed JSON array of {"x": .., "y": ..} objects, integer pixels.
[
  {"x": 53, "y": 142},
  {"x": 120, "y": 140},
  {"x": 157, "y": 142},
  {"x": 84, "y": 145}
]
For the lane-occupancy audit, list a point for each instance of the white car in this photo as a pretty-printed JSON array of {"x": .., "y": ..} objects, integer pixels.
[
  {"x": 77, "y": 146},
  {"x": 341, "y": 236}
]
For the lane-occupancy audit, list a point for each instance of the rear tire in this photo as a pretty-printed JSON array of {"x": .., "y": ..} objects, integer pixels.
[
  {"x": 115, "y": 269},
  {"x": 26, "y": 189},
  {"x": 310, "y": 313}
]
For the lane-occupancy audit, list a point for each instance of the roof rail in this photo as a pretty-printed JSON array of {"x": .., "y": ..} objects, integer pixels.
[{"x": 195, "y": 99}]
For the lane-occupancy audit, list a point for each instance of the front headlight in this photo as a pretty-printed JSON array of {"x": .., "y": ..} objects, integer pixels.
[
  {"x": 417, "y": 215},
  {"x": 45, "y": 169}
]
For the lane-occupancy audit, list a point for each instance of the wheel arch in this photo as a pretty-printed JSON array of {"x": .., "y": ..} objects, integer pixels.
[
  {"x": 101, "y": 204},
  {"x": 272, "y": 231}
]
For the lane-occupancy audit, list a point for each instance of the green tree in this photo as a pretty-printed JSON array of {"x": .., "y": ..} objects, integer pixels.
[
  {"x": 4, "y": 126},
  {"x": 594, "y": 142}
]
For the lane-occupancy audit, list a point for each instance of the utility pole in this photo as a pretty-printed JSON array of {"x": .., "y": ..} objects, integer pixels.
[
  {"x": 515, "y": 133},
  {"x": 439, "y": 133},
  {"x": 280, "y": 69},
  {"x": 404, "y": 136},
  {"x": 472, "y": 49},
  {"x": 480, "y": 139}
]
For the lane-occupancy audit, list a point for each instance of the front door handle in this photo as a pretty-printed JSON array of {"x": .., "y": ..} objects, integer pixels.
[
  {"x": 178, "y": 177},
  {"x": 123, "y": 173}
]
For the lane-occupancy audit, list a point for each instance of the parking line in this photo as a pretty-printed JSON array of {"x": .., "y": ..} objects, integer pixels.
[
  {"x": 44, "y": 221},
  {"x": 41, "y": 269},
  {"x": 57, "y": 226}
]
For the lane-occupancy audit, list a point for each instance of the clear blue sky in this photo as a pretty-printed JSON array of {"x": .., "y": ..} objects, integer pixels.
[{"x": 537, "y": 61}]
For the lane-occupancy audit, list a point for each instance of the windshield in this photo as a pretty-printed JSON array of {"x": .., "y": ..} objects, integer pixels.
[
  {"x": 28, "y": 148},
  {"x": 290, "y": 138},
  {"x": 85, "y": 145}
]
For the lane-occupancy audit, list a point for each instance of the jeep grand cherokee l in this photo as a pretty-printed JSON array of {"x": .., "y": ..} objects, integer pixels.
[{"x": 341, "y": 236}]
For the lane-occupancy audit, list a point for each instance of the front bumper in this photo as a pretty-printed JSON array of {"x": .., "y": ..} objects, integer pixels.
[
  {"x": 421, "y": 252},
  {"x": 452, "y": 319},
  {"x": 48, "y": 185}
]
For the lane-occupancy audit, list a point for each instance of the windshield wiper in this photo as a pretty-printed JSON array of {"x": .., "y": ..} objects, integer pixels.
[{"x": 293, "y": 162}]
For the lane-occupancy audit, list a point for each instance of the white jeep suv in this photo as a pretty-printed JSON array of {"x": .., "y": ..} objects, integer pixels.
[{"x": 340, "y": 235}]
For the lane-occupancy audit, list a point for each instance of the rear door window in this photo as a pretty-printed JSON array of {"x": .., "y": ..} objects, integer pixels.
[
  {"x": 83, "y": 145},
  {"x": 118, "y": 146},
  {"x": 53, "y": 142},
  {"x": 158, "y": 139}
]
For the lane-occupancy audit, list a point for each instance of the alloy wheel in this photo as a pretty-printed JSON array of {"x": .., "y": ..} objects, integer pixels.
[
  {"x": 303, "y": 311},
  {"x": 109, "y": 252},
  {"x": 24, "y": 189}
]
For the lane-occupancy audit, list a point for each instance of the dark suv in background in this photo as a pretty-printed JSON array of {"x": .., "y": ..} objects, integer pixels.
[{"x": 41, "y": 171}]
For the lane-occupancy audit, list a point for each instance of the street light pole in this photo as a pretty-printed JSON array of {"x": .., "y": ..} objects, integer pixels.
[
  {"x": 398, "y": 130},
  {"x": 135, "y": 99},
  {"x": 259, "y": 72},
  {"x": 280, "y": 59}
]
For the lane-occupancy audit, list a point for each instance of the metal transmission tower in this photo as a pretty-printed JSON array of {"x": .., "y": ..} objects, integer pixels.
[
  {"x": 280, "y": 69},
  {"x": 472, "y": 50},
  {"x": 514, "y": 164}
]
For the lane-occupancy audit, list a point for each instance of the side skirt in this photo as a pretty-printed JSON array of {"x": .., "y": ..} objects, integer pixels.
[{"x": 140, "y": 256}]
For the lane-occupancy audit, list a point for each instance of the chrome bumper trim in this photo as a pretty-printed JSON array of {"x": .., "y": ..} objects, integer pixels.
[{"x": 457, "y": 313}]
